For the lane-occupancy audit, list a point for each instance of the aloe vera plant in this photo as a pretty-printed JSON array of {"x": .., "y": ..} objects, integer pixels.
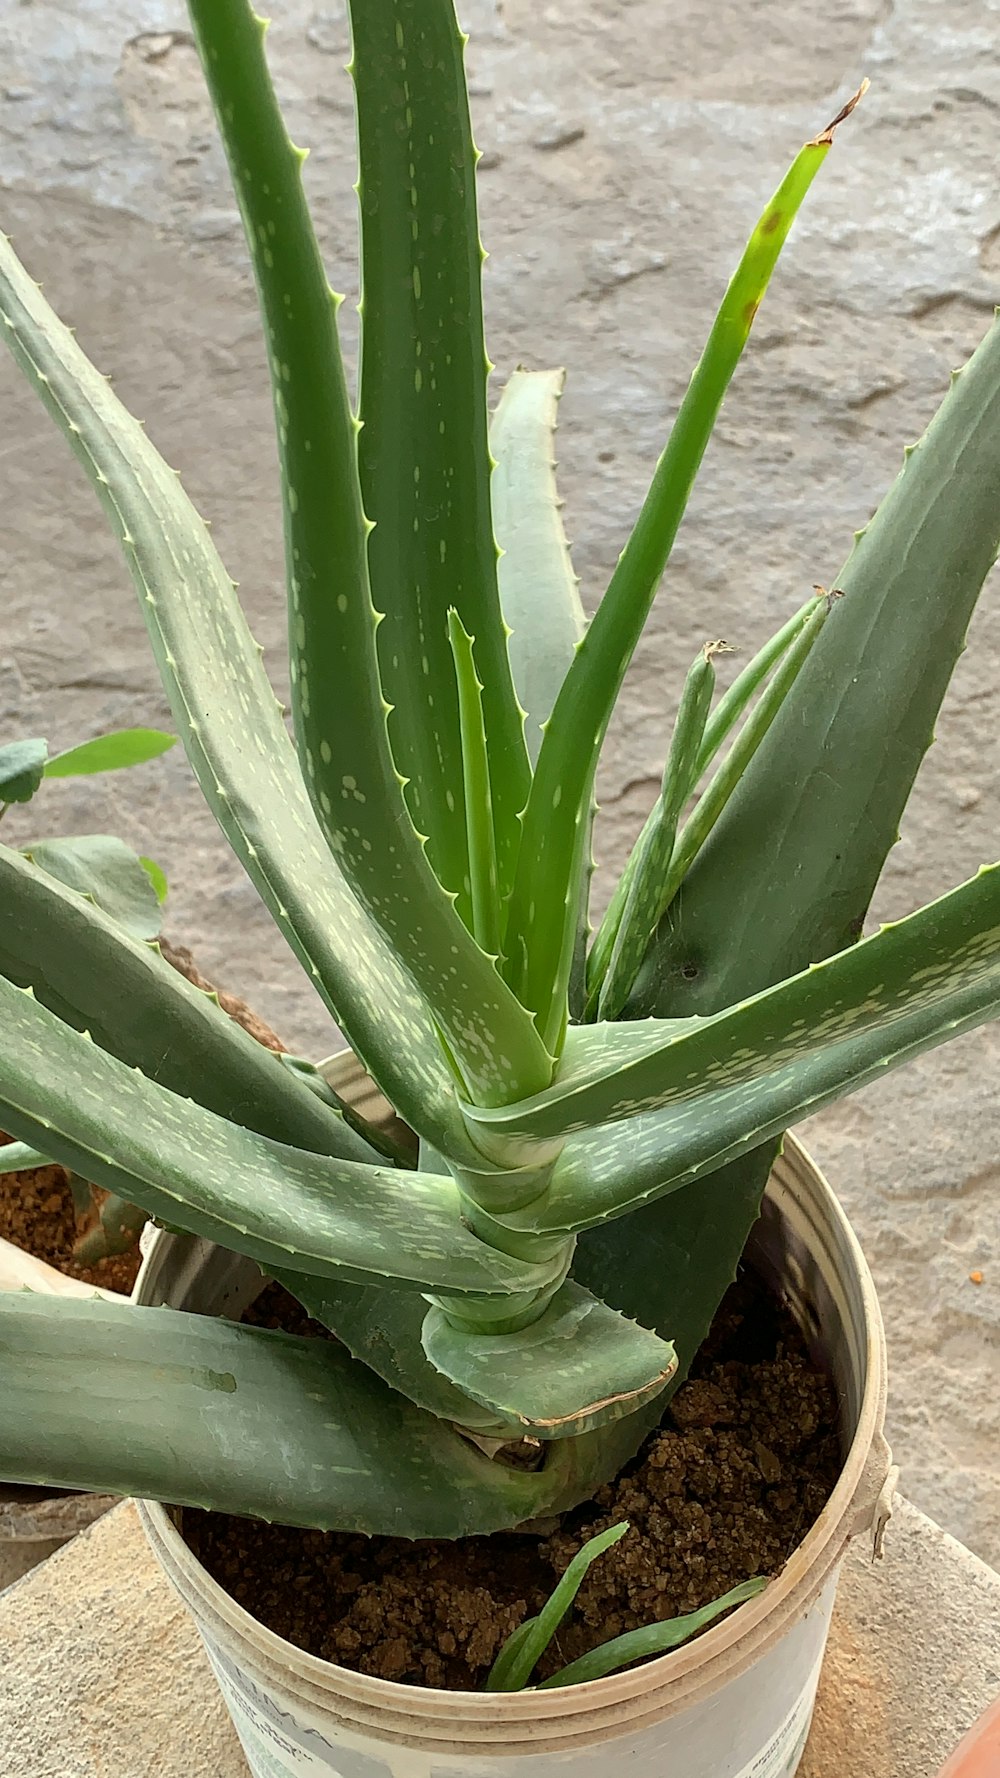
[{"x": 596, "y": 1117}]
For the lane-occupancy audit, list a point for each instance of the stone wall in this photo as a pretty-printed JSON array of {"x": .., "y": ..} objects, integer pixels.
[{"x": 629, "y": 146}]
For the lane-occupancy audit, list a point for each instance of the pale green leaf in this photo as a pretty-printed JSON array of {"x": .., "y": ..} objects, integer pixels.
[
  {"x": 539, "y": 591},
  {"x": 106, "y": 871},
  {"x": 425, "y": 464},
  {"x": 576, "y": 1367},
  {"x": 110, "y": 753},
  {"x": 190, "y": 1168},
  {"x": 543, "y": 911}
]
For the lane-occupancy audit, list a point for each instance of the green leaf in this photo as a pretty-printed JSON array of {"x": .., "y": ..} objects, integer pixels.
[
  {"x": 202, "y": 1412},
  {"x": 718, "y": 726},
  {"x": 110, "y": 753},
  {"x": 734, "y": 701},
  {"x": 190, "y": 1168},
  {"x": 713, "y": 800},
  {"x": 228, "y": 718},
  {"x": 544, "y": 904},
  {"x": 157, "y": 877},
  {"x": 485, "y": 924},
  {"x": 381, "y": 1327},
  {"x": 627, "y": 928},
  {"x": 117, "y": 1229},
  {"x": 79, "y": 964},
  {"x": 425, "y": 463},
  {"x": 539, "y": 592},
  {"x": 522, "y": 1652},
  {"x": 671, "y": 1261},
  {"x": 22, "y": 767},
  {"x": 698, "y": 1093},
  {"x": 576, "y": 1367},
  {"x": 651, "y": 1639},
  {"x": 108, "y": 873},
  {"x": 17, "y": 1157},
  {"x": 789, "y": 871},
  {"x": 337, "y": 697}
]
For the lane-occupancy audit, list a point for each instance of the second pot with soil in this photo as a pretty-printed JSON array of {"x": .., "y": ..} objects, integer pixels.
[{"x": 736, "y": 1703}]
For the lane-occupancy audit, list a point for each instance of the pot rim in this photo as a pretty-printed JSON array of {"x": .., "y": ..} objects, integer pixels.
[{"x": 692, "y": 1671}]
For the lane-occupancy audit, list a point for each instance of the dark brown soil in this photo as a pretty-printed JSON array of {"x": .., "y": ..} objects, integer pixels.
[
  {"x": 742, "y": 1465},
  {"x": 37, "y": 1211}
]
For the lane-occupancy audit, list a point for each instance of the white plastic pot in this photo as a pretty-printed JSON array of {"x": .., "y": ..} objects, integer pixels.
[{"x": 736, "y": 1703}]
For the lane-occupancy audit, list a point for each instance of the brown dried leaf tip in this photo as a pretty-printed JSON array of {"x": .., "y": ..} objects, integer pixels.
[{"x": 826, "y": 136}]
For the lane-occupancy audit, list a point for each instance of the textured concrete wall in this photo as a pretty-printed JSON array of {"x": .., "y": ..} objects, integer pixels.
[{"x": 629, "y": 145}]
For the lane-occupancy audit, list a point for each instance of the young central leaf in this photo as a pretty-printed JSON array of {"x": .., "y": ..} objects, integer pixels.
[{"x": 424, "y": 458}]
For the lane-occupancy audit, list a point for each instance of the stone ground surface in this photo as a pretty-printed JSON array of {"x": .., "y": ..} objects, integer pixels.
[
  {"x": 629, "y": 145},
  {"x": 104, "y": 1676}
]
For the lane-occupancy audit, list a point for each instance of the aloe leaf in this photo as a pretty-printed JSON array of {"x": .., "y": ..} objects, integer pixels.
[
  {"x": 17, "y": 1157},
  {"x": 734, "y": 701},
  {"x": 22, "y": 768},
  {"x": 485, "y": 924},
  {"x": 157, "y": 877},
  {"x": 226, "y": 713},
  {"x": 574, "y": 1368},
  {"x": 643, "y": 893},
  {"x": 190, "y": 1168},
  {"x": 721, "y": 787},
  {"x": 541, "y": 927},
  {"x": 337, "y": 697},
  {"x": 110, "y": 753},
  {"x": 83, "y": 968},
  {"x": 522, "y": 1652},
  {"x": 650, "y": 1639},
  {"x": 106, "y": 871},
  {"x": 117, "y": 1229},
  {"x": 425, "y": 464},
  {"x": 696, "y": 1094},
  {"x": 539, "y": 592},
  {"x": 202, "y": 1412},
  {"x": 717, "y": 728},
  {"x": 673, "y": 1259},
  {"x": 788, "y": 873},
  {"x": 381, "y": 1327}
]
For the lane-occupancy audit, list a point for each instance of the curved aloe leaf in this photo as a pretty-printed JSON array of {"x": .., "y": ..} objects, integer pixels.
[
  {"x": 539, "y": 592},
  {"x": 425, "y": 464},
  {"x": 578, "y": 1366},
  {"x": 188, "y": 1167},
  {"x": 698, "y": 1093},
  {"x": 382, "y": 1327},
  {"x": 102, "y": 868},
  {"x": 110, "y": 753},
  {"x": 201, "y": 1412},
  {"x": 543, "y": 912},
  {"x": 80, "y": 966},
  {"x": 337, "y": 698},
  {"x": 227, "y": 715}
]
